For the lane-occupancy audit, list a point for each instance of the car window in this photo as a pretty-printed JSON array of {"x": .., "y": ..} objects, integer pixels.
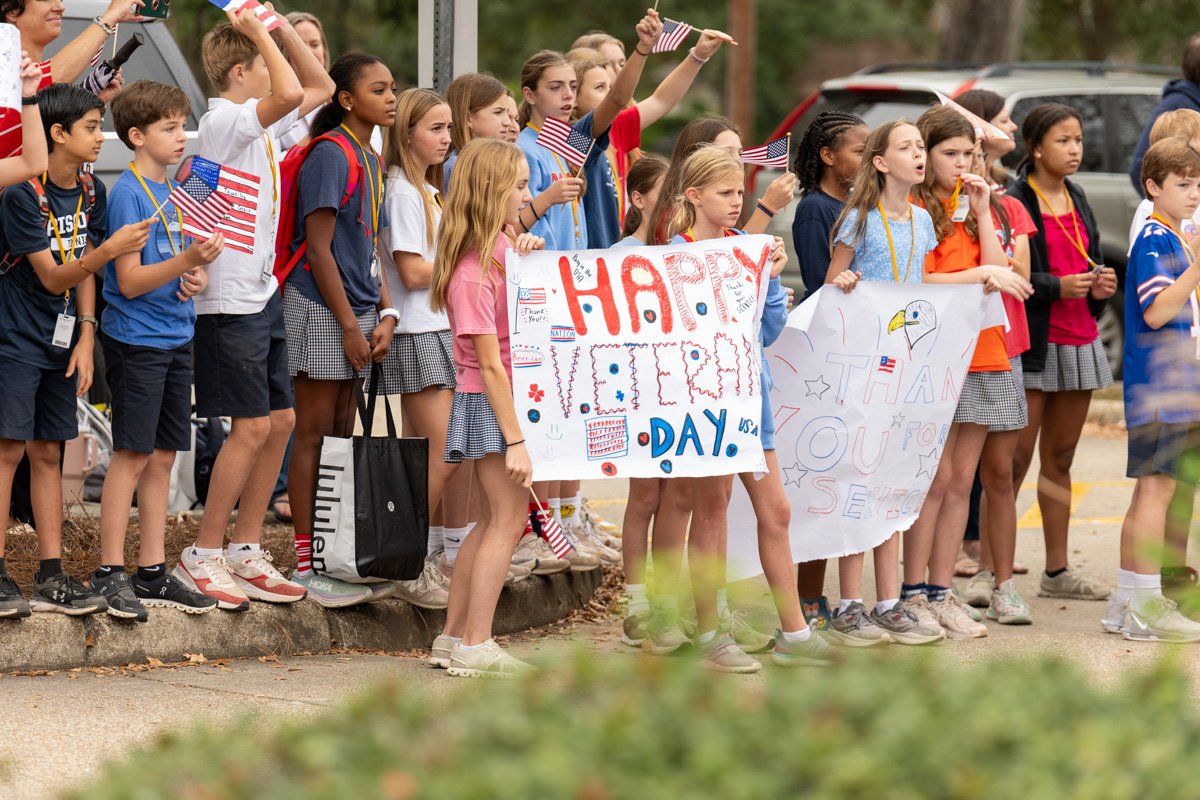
[
  {"x": 875, "y": 107},
  {"x": 1130, "y": 111},
  {"x": 1090, "y": 108}
]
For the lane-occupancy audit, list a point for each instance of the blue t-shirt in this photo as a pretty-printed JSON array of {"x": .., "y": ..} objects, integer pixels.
[
  {"x": 600, "y": 200},
  {"x": 447, "y": 168},
  {"x": 322, "y": 183},
  {"x": 873, "y": 256},
  {"x": 563, "y": 226},
  {"x": 1161, "y": 371},
  {"x": 810, "y": 236},
  {"x": 28, "y": 312},
  {"x": 630, "y": 241},
  {"x": 157, "y": 318}
]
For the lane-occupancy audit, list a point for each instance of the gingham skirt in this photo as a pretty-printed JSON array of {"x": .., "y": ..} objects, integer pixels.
[
  {"x": 1072, "y": 368},
  {"x": 994, "y": 399},
  {"x": 1018, "y": 373},
  {"x": 418, "y": 361},
  {"x": 473, "y": 431},
  {"x": 314, "y": 338}
]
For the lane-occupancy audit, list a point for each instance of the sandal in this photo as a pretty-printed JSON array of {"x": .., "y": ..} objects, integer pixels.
[
  {"x": 1020, "y": 569},
  {"x": 281, "y": 507},
  {"x": 965, "y": 566}
]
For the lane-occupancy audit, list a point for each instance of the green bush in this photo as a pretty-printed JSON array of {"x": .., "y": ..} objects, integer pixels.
[{"x": 642, "y": 728}]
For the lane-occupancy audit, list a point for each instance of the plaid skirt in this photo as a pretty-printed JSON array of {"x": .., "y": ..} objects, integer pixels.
[
  {"x": 314, "y": 338},
  {"x": 473, "y": 431},
  {"x": 1018, "y": 373},
  {"x": 1072, "y": 368},
  {"x": 994, "y": 399},
  {"x": 418, "y": 361}
]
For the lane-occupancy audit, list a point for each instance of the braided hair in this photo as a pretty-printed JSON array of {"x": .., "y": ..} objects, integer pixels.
[{"x": 824, "y": 131}]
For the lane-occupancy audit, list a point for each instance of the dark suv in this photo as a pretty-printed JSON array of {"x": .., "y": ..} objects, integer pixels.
[{"x": 1114, "y": 100}]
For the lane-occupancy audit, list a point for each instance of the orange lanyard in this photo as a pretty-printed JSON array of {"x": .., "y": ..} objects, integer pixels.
[
  {"x": 1077, "y": 240},
  {"x": 1186, "y": 247},
  {"x": 888, "y": 230}
]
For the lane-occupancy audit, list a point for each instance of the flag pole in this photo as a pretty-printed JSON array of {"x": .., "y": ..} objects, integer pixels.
[{"x": 789, "y": 151}]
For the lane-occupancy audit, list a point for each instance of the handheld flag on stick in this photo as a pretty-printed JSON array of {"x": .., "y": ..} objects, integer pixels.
[
  {"x": 674, "y": 34},
  {"x": 772, "y": 154},
  {"x": 262, "y": 12},
  {"x": 565, "y": 141},
  {"x": 213, "y": 197},
  {"x": 982, "y": 127},
  {"x": 551, "y": 530}
]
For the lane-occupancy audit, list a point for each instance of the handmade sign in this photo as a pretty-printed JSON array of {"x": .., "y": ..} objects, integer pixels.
[
  {"x": 640, "y": 362},
  {"x": 10, "y": 87},
  {"x": 865, "y": 388}
]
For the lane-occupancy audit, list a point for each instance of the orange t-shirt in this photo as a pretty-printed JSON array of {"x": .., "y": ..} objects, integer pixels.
[{"x": 955, "y": 254}]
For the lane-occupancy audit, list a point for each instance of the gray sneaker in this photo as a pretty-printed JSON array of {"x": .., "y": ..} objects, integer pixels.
[
  {"x": 424, "y": 591},
  {"x": 902, "y": 626},
  {"x": 63, "y": 594},
  {"x": 1007, "y": 606},
  {"x": 919, "y": 608},
  {"x": 1157, "y": 619},
  {"x": 439, "y": 654},
  {"x": 722, "y": 654},
  {"x": 488, "y": 660},
  {"x": 117, "y": 590},
  {"x": 956, "y": 597},
  {"x": 1070, "y": 585},
  {"x": 1114, "y": 614},
  {"x": 533, "y": 553},
  {"x": 811, "y": 653},
  {"x": 635, "y": 629},
  {"x": 664, "y": 634},
  {"x": 12, "y": 604},
  {"x": 855, "y": 628},
  {"x": 747, "y": 638},
  {"x": 979, "y": 589}
]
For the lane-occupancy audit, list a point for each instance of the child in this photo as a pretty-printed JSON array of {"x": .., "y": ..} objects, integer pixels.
[
  {"x": 1161, "y": 410},
  {"x": 48, "y": 303},
  {"x": 482, "y": 208},
  {"x": 32, "y": 160},
  {"x": 713, "y": 179},
  {"x": 1185, "y": 124},
  {"x": 878, "y": 231},
  {"x": 310, "y": 30},
  {"x": 240, "y": 345},
  {"x": 339, "y": 316},
  {"x": 420, "y": 363},
  {"x": 479, "y": 106},
  {"x": 967, "y": 252},
  {"x": 827, "y": 159},
  {"x": 1065, "y": 362},
  {"x": 148, "y": 327}
]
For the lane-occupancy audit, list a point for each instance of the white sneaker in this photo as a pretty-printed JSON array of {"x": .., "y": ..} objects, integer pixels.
[
  {"x": 424, "y": 591},
  {"x": 1114, "y": 614},
  {"x": 210, "y": 575},
  {"x": 1157, "y": 619},
  {"x": 955, "y": 621},
  {"x": 256, "y": 576},
  {"x": 582, "y": 557},
  {"x": 533, "y": 553},
  {"x": 439, "y": 654},
  {"x": 488, "y": 660},
  {"x": 919, "y": 607},
  {"x": 595, "y": 540},
  {"x": 979, "y": 589}
]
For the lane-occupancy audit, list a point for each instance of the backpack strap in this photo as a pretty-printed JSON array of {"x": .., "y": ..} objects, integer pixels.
[
  {"x": 7, "y": 262},
  {"x": 88, "y": 181},
  {"x": 352, "y": 180}
]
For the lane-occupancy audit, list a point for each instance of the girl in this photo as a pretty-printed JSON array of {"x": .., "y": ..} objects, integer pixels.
[
  {"x": 339, "y": 317},
  {"x": 877, "y": 231},
  {"x": 711, "y": 202},
  {"x": 420, "y": 363},
  {"x": 309, "y": 29},
  {"x": 482, "y": 207},
  {"x": 990, "y": 396},
  {"x": 1065, "y": 362},
  {"x": 479, "y": 106}
]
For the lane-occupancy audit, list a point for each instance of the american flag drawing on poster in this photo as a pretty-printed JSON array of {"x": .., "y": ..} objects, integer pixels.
[
  {"x": 772, "y": 154},
  {"x": 563, "y": 140},
  {"x": 674, "y": 34},
  {"x": 239, "y": 191},
  {"x": 887, "y": 364},
  {"x": 262, "y": 12},
  {"x": 531, "y": 297}
]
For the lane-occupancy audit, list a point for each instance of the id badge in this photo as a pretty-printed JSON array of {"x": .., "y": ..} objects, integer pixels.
[
  {"x": 961, "y": 209},
  {"x": 268, "y": 270},
  {"x": 375, "y": 266},
  {"x": 1196, "y": 339},
  {"x": 64, "y": 328}
]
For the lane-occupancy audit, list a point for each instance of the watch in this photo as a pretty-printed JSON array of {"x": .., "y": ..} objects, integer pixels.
[{"x": 89, "y": 318}]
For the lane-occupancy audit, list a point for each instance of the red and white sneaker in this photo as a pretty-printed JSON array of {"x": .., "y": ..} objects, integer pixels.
[
  {"x": 209, "y": 575},
  {"x": 257, "y": 577}
]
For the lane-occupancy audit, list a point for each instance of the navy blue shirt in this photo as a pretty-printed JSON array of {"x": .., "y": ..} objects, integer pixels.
[{"x": 810, "y": 236}]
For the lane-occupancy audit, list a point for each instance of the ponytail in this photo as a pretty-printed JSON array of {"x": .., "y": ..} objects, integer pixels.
[{"x": 345, "y": 73}]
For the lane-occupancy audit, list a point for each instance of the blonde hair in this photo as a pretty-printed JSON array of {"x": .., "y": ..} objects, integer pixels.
[
  {"x": 411, "y": 108},
  {"x": 473, "y": 216},
  {"x": 868, "y": 182},
  {"x": 531, "y": 74},
  {"x": 222, "y": 49},
  {"x": 594, "y": 40},
  {"x": 584, "y": 59},
  {"x": 297, "y": 17},
  {"x": 466, "y": 95},
  {"x": 1183, "y": 123},
  {"x": 707, "y": 166}
]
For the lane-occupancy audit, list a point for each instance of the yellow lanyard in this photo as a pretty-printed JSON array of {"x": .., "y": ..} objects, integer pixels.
[
  {"x": 888, "y": 230},
  {"x": 1077, "y": 241},
  {"x": 266, "y": 137},
  {"x": 565, "y": 171},
  {"x": 161, "y": 215},
  {"x": 957, "y": 191},
  {"x": 1186, "y": 247},
  {"x": 376, "y": 180},
  {"x": 67, "y": 255}
]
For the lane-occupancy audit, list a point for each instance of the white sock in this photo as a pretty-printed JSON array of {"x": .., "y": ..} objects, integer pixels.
[
  {"x": 455, "y": 639},
  {"x": 707, "y": 638},
  {"x": 884, "y": 606},
  {"x": 797, "y": 636},
  {"x": 470, "y": 646},
  {"x": 845, "y": 603},
  {"x": 638, "y": 602},
  {"x": 471, "y": 526},
  {"x": 1125, "y": 584},
  {"x": 206, "y": 552},
  {"x": 453, "y": 539},
  {"x": 722, "y": 601},
  {"x": 555, "y": 506},
  {"x": 571, "y": 504},
  {"x": 1147, "y": 585},
  {"x": 240, "y": 552},
  {"x": 436, "y": 532}
]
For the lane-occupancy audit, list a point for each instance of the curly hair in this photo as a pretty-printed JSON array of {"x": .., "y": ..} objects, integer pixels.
[{"x": 824, "y": 131}]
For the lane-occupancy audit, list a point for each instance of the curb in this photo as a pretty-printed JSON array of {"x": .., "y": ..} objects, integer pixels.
[{"x": 57, "y": 642}]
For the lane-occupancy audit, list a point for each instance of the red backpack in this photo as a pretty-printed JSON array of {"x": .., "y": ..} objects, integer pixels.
[{"x": 287, "y": 256}]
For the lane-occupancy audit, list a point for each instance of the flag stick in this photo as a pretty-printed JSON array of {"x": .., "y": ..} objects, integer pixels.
[
  {"x": 789, "y": 151},
  {"x": 656, "y": 5}
]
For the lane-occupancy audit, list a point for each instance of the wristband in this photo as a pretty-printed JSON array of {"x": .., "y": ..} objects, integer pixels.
[
  {"x": 638, "y": 50},
  {"x": 29, "y": 101},
  {"x": 692, "y": 55},
  {"x": 389, "y": 312},
  {"x": 536, "y": 215},
  {"x": 766, "y": 209},
  {"x": 89, "y": 318},
  {"x": 109, "y": 30},
  {"x": 514, "y": 444}
]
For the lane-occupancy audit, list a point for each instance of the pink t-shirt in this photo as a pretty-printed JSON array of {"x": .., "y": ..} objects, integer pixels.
[
  {"x": 1016, "y": 338},
  {"x": 1071, "y": 322},
  {"x": 478, "y": 305}
]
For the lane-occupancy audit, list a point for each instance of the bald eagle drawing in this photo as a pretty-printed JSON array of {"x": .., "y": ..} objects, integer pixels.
[{"x": 918, "y": 319}]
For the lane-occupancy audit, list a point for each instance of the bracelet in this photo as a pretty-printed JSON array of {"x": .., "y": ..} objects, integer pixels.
[
  {"x": 109, "y": 30},
  {"x": 29, "y": 101},
  {"x": 389, "y": 312},
  {"x": 638, "y": 50},
  {"x": 766, "y": 209},
  {"x": 692, "y": 55},
  {"x": 536, "y": 215},
  {"x": 514, "y": 444},
  {"x": 89, "y": 318}
]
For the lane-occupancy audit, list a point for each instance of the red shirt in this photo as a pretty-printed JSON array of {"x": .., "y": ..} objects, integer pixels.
[
  {"x": 1071, "y": 321},
  {"x": 1019, "y": 223},
  {"x": 10, "y": 119},
  {"x": 624, "y": 137}
]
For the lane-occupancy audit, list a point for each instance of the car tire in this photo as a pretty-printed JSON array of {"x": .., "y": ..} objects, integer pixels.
[{"x": 1112, "y": 332}]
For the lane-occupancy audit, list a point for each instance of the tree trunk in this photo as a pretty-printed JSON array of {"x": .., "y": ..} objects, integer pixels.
[{"x": 981, "y": 32}]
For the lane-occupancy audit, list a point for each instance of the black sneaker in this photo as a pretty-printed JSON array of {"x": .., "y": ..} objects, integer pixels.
[
  {"x": 12, "y": 604},
  {"x": 64, "y": 594},
  {"x": 169, "y": 592},
  {"x": 117, "y": 590}
]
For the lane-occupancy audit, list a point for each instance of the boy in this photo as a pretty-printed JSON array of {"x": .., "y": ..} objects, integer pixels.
[
  {"x": 52, "y": 240},
  {"x": 1162, "y": 410},
  {"x": 148, "y": 326},
  {"x": 241, "y": 350}
]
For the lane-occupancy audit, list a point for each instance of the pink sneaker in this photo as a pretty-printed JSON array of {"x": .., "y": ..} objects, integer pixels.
[
  {"x": 210, "y": 575},
  {"x": 257, "y": 577}
]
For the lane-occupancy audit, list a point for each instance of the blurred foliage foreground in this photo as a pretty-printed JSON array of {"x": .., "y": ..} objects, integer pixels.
[{"x": 641, "y": 728}]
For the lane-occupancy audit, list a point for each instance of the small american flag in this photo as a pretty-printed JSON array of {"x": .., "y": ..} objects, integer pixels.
[
  {"x": 887, "y": 364},
  {"x": 202, "y": 207},
  {"x": 552, "y": 532},
  {"x": 531, "y": 297},
  {"x": 772, "y": 154},
  {"x": 563, "y": 140},
  {"x": 239, "y": 210},
  {"x": 674, "y": 34},
  {"x": 262, "y": 12}
]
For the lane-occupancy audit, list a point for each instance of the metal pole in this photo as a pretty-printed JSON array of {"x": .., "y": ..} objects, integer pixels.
[
  {"x": 448, "y": 36},
  {"x": 739, "y": 77}
]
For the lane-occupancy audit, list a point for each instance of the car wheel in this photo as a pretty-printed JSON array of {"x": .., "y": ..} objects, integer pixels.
[{"x": 1112, "y": 332}]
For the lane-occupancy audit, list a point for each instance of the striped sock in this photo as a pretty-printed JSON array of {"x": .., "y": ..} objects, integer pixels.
[{"x": 303, "y": 553}]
